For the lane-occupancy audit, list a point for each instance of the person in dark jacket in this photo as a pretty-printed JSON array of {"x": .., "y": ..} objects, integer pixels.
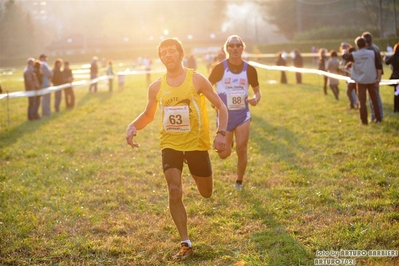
[
  {"x": 68, "y": 92},
  {"x": 93, "y": 73},
  {"x": 322, "y": 66},
  {"x": 281, "y": 62},
  {"x": 394, "y": 62},
  {"x": 57, "y": 80},
  {"x": 31, "y": 84},
  {"x": 298, "y": 62},
  {"x": 346, "y": 68}
]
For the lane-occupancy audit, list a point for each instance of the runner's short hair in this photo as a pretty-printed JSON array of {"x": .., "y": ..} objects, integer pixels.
[{"x": 170, "y": 42}]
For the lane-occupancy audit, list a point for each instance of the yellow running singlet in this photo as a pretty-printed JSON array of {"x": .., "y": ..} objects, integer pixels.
[{"x": 184, "y": 120}]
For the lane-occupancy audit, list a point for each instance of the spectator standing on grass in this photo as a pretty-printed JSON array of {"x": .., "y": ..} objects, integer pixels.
[
  {"x": 216, "y": 60},
  {"x": 31, "y": 84},
  {"x": 316, "y": 56},
  {"x": 346, "y": 70},
  {"x": 371, "y": 46},
  {"x": 110, "y": 74},
  {"x": 281, "y": 62},
  {"x": 46, "y": 82},
  {"x": 180, "y": 94},
  {"x": 192, "y": 62},
  {"x": 389, "y": 49},
  {"x": 147, "y": 62},
  {"x": 333, "y": 67},
  {"x": 67, "y": 76},
  {"x": 394, "y": 62},
  {"x": 57, "y": 80},
  {"x": 322, "y": 66},
  {"x": 93, "y": 74},
  {"x": 232, "y": 78},
  {"x": 366, "y": 71},
  {"x": 298, "y": 62},
  {"x": 38, "y": 72}
]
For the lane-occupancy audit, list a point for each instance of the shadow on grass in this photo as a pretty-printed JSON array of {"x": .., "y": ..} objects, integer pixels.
[
  {"x": 274, "y": 243},
  {"x": 275, "y": 140},
  {"x": 102, "y": 96},
  {"x": 13, "y": 134}
]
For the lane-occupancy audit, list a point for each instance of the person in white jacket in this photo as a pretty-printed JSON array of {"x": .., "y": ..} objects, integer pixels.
[
  {"x": 366, "y": 71},
  {"x": 47, "y": 74}
]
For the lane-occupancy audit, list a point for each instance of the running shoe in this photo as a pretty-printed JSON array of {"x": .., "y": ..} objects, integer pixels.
[
  {"x": 184, "y": 253},
  {"x": 239, "y": 186}
]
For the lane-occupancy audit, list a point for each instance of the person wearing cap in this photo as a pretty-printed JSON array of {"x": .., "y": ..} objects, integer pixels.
[
  {"x": 31, "y": 84},
  {"x": 232, "y": 78},
  {"x": 46, "y": 82}
]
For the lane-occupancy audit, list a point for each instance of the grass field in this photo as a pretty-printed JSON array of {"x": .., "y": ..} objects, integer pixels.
[{"x": 73, "y": 193}]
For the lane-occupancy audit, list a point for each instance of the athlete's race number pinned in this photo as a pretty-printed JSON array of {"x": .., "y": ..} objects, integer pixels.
[
  {"x": 236, "y": 100},
  {"x": 176, "y": 119}
]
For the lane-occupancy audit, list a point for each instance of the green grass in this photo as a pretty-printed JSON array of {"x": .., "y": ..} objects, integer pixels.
[{"x": 73, "y": 193}]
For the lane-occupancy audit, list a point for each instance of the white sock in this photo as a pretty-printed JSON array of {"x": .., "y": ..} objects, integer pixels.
[
  {"x": 188, "y": 242},
  {"x": 397, "y": 90}
]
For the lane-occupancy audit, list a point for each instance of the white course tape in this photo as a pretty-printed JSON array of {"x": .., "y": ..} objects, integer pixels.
[
  {"x": 135, "y": 72},
  {"x": 318, "y": 72},
  {"x": 44, "y": 91},
  {"x": 47, "y": 90}
]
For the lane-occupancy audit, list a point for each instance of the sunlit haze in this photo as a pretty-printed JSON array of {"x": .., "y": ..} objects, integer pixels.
[{"x": 90, "y": 26}]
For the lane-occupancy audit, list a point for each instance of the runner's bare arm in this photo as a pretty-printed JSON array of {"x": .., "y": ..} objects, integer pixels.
[
  {"x": 257, "y": 96},
  {"x": 146, "y": 117},
  {"x": 202, "y": 85}
]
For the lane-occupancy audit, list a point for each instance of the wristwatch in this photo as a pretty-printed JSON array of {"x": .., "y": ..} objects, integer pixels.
[{"x": 222, "y": 132}]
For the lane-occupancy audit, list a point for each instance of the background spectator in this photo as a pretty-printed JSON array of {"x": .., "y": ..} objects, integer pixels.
[
  {"x": 281, "y": 62},
  {"x": 93, "y": 74},
  {"x": 346, "y": 71},
  {"x": 333, "y": 67},
  {"x": 322, "y": 67},
  {"x": 192, "y": 62},
  {"x": 67, "y": 76},
  {"x": 298, "y": 62},
  {"x": 110, "y": 72},
  {"x": 366, "y": 71},
  {"x": 46, "y": 79},
  {"x": 57, "y": 80},
  {"x": 371, "y": 46},
  {"x": 147, "y": 62},
  {"x": 394, "y": 62},
  {"x": 31, "y": 84},
  {"x": 38, "y": 72}
]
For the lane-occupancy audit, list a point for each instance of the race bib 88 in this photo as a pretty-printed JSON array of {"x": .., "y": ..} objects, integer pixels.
[{"x": 236, "y": 100}]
